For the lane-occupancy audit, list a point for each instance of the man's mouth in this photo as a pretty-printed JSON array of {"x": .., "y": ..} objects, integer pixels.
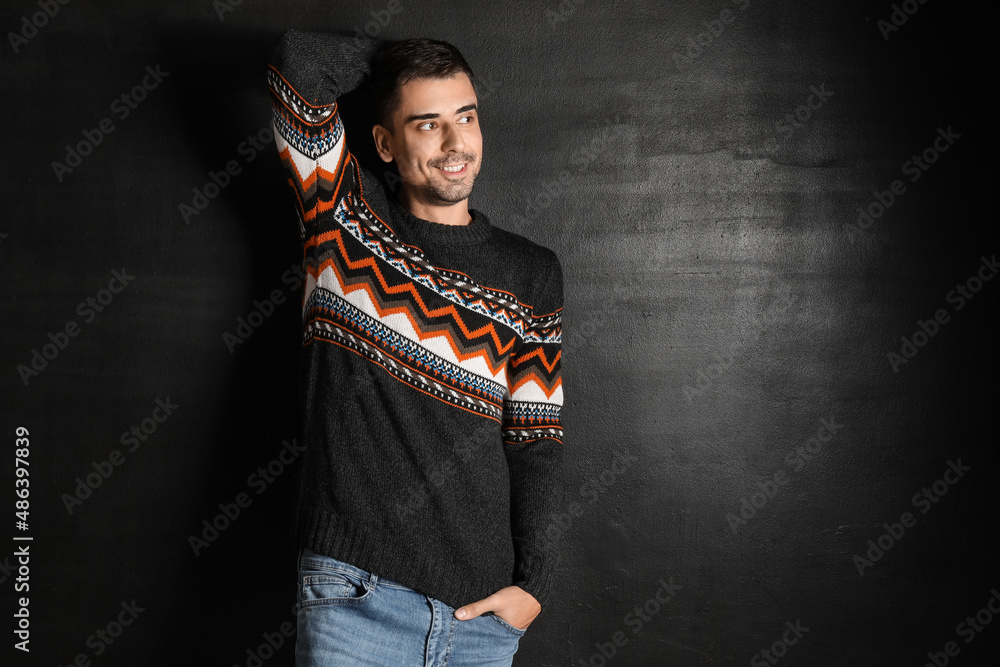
[{"x": 455, "y": 169}]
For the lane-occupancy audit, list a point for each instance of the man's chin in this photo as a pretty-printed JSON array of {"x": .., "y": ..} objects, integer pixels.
[{"x": 440, "y": 197}]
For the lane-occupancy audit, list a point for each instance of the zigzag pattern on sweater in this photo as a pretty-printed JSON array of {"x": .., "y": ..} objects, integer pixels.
[
  {"x": 334, "y": 320},
  {"x": 462, "y": 338}
]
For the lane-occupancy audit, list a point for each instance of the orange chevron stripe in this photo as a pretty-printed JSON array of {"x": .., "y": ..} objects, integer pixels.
[
  {"x": 533, "y": 376},
  {"x": 422, "y": 334},
  {"x": 337, "y": 235},
  {"x": 540, "y": 353},
  {"x": 450, "y": 309},
  {"x": 301, "y": 185}
]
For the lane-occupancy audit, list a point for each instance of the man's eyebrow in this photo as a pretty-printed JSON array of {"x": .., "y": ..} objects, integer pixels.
[{"x": 430, "y": 116}]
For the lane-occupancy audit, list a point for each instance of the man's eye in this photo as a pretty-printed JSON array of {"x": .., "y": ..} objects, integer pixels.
[
  {"x": 422, "y": 125},
  {"x": 471, "y": 119}
]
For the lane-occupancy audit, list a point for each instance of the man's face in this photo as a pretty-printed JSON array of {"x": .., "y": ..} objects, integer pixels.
[{"x": 436, "y": 126}]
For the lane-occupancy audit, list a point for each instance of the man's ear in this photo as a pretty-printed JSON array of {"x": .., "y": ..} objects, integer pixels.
[{"x": 383, "y": 142}]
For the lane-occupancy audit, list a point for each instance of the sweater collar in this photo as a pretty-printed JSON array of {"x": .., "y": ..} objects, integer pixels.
[{"x": 418, "y": 229}]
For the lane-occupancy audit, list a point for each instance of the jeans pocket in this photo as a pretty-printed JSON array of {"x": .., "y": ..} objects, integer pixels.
[
  {"x": 517, "y": 632},
  {"x": 324, "y": 585}
]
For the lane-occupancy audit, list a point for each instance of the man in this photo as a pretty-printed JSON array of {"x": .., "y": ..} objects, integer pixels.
[{"x": 431, "y": 381}]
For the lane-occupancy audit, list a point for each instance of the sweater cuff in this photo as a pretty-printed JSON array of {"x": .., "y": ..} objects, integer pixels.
[{"x": 533, "y": 571}]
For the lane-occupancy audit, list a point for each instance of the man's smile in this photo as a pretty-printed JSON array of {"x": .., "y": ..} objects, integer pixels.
[{"x": 456, "y": 169}]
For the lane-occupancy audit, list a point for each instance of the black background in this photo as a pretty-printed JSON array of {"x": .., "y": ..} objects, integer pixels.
[{"x": 716, "y": 311}]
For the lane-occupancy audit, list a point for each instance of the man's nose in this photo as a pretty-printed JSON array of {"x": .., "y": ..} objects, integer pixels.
[{"x": 453, "y": 139}]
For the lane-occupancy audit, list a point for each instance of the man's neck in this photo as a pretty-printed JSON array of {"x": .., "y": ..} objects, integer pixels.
[{"x": 455, "y": 214}]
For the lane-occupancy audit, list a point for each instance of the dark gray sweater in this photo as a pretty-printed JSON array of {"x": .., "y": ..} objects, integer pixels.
[{"x": 431, "y": 383}]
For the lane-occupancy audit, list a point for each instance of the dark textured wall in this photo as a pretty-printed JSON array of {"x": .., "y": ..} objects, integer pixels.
[{"x": 747, "y": 423}]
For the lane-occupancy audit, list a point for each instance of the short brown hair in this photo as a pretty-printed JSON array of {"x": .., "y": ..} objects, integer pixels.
[{"x": 399, "y": 61}]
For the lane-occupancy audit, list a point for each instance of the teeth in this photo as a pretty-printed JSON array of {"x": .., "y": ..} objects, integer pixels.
[{"x": 453, "y": 169}]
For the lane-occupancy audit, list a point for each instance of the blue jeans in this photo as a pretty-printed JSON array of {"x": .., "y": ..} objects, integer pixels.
[{"x": 348, "y": 617}]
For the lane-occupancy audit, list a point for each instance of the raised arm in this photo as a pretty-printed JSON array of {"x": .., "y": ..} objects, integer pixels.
[
  {"x": 532, "y": 435},
  {"x": 306, "y": 74}
]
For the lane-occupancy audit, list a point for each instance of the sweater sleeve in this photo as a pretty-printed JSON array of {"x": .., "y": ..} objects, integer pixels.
[
  {"x": 532, "y": 435},
  {"x": 306, "y": 73}
]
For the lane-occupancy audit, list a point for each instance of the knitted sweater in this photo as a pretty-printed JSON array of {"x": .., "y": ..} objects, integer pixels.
[{"x": 431, "y": 384}]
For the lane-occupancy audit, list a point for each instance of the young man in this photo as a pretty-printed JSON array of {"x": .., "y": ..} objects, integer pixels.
[{"x": 431, "y": 381}]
